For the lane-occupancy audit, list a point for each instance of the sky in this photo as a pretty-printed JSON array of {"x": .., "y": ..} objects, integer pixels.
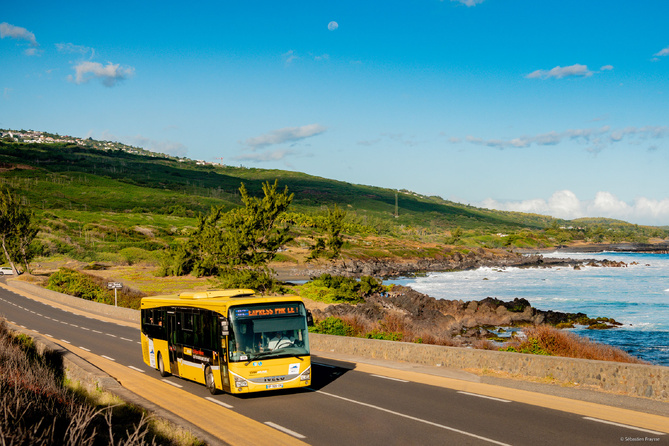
[{"x": 551, "y": 107}]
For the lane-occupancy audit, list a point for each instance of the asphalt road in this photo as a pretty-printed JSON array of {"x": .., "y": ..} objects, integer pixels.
[{"x": 345, "y": 406}]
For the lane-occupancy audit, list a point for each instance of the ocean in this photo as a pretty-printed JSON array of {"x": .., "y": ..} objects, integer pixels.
[{"x": 636, "y": 296}]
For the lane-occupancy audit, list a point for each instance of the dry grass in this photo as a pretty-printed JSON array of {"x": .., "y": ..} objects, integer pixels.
[
  {"x": 544, "y": 339},
  {"x": 37, "y": 408}
]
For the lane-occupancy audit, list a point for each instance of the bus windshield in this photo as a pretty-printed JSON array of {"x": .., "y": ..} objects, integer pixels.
[{"x": 267, "y": 331}]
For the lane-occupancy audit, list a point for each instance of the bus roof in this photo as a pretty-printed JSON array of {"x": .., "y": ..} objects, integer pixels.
[{"x": 213, "y": 299}]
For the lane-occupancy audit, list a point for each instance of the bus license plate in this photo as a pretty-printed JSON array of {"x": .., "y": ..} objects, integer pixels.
[{"x": 274, "y": 386}]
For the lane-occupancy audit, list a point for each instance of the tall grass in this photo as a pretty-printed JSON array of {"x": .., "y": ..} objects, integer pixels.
[
  {"x": 546, "y": 340},
  {"x": 35, "y": 407}
]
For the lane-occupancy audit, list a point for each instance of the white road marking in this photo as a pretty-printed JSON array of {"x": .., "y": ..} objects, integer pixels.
[
  {"x": 129, "y": 340},
  {"x": 76, "y": 326},
  {"x": 84, "y": 328},
  {"x": 107, "y": 357},
  {"x": 84, "y": 349},
  {"x": 452, "y": 429},
  {"x": 624, "y": 425},
  {"x": 174, "y": 384},
  {"x": 392, "y": 379},
  {"x": 284, "y": 430},
  {"x": 484, "y": 396},
  {"x": 136, "y": 369},
  {"x": 95, "y": 331},
  {"x": 109, "y": 334},
  {"x": 220, "y": 403},
  {"x": 66, "y": 341}
]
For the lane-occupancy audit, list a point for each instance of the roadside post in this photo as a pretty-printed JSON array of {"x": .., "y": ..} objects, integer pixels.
[{"x": 115, "y": 286}]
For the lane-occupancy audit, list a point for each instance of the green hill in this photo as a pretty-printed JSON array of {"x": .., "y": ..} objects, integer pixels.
[{"x": 101, "y": 200}]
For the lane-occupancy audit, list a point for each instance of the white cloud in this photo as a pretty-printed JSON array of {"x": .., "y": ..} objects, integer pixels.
[
  {"x": 16, "y": 32},
  {"x": 560, "y": 72},
  {"x": 110, "y": 74},
  {"x": 70, "y": 48},
  {"x": 606, "y": 68},
  {"x": 289, "y": 57},
  {"x": 161, "y": 146},
  {"x": 662, "y": 52},
  {"x": 276, "y": 155},
  {"x": 469, "y": 2},
  {"x": 287, "y": 134},
  {"x": 596, "y": 138},
  {"x": 565, "y": 204},
  {"x": 333, "y": 25}
]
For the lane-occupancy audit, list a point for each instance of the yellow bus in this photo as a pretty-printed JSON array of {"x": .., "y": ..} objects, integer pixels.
[{"x": 229, "y": 340}]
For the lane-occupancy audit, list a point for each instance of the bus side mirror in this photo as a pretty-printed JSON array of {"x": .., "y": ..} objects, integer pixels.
[
  {"x": 310, "y": 319},
  {"x": 225, "y": 329}
]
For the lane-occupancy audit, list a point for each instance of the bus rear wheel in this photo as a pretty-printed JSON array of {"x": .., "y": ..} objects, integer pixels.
[
  {"x": 161, "y": 366},
  {"x": 209, "y": 381}
]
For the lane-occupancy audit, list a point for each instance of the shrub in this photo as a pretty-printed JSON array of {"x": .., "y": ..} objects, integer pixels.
[
  {"x": 77, "y": 284},
  {"x": 333, "y": 326},
  {"x": 339, "y": 289},
  {"x": 546, "y": 340}
]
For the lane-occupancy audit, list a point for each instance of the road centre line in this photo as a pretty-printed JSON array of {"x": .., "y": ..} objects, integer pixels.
[
  {"x": 284, "y": 430},
  {"x": 452, "y": 429},
  {"x": 109, "y": 334},
  {"x": 220, "y": 403},
  {"x": 129, "y": 340},
  {"x": 96, "y": 331},
  {"x": 392, "y": 379},
  {"x": 648, "y": 431},
  {"x": 484, "y": 396}
]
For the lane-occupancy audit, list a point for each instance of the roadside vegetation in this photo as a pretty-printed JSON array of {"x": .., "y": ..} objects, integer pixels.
[
  {"x": 39, "y": 406},
  {"x": 550, "y": 341}
]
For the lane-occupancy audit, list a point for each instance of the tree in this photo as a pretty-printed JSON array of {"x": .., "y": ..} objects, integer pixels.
[
  {"x": 17, "y": 231},
  {"x": 238, "y": 245},
  {"x": 333, "y": 224}
]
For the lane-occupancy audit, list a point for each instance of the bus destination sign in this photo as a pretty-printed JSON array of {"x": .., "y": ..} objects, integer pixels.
[{"x": 278, "y": 310}]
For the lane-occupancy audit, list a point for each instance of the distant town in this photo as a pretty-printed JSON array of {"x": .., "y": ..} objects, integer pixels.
[{"x": 37, "y": 137}]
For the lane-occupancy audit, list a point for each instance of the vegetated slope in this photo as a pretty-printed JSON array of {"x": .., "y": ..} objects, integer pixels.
[{"x": 69, "y": 176}]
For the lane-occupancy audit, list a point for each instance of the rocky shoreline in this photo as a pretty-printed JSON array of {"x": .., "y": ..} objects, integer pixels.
[
  {"x": 452, "y": 322},
  {"x": 456, "y": 261}
]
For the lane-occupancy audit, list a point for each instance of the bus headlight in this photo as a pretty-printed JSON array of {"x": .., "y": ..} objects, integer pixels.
[
  {"x": 240, "y": 382},
  {"x": 306, "y": 375}
]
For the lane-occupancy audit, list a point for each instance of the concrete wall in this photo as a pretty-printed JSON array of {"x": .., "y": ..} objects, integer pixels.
[{"x": 648, "y": 381}]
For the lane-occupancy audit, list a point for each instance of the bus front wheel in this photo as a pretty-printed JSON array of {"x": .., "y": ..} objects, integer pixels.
[
  {"x": 209, "y": 380},
  {"x": 161, "y": 366}
]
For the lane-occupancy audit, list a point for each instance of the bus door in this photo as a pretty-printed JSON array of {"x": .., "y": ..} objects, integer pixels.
[
  {"x": 171, "y": 341},
  {"x": 223, "y": 357}
]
